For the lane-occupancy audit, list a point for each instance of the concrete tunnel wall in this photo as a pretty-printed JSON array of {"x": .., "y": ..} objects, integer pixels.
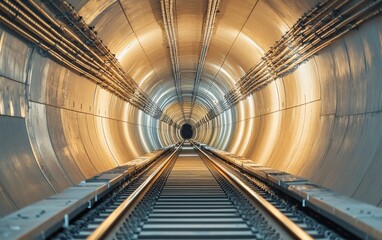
[{"x": 322, "y": 122}]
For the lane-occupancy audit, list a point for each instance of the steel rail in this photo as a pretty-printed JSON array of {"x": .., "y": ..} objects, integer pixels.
[
  {"x": 133, "y": 200},
  {"x": 284, "y": 221},
  {"x": 128, "y": 205}
]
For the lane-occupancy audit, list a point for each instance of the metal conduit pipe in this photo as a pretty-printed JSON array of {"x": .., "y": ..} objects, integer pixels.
[
  {"x": 54, "y": 34},
  {"x": 90, "y": 36},
  {"x": 299, "y": 30},
  {"x": 99, "y": 62},
  {"x": 75, "y": 56},
  {"x": 317, "y": 45},
  {"x": 318, "y": 28},
  {"x": 301, "y": 53},
  {"x": 102, "y": 62},
  {"x": 172, "y": 33},
  {"x": 172, "y": 36},
  {"x": 55, "y": 55},
  {"x": 285, "y": 62},
  {"x": 209, "y": 23},
  {"x": 47, "y": 49},
  {"x": 331, "y": 29},
  {"x": 355, "y": 25},
  {"x": 165, "y": 10},
  {"x": 280, "y": 50},
  {"x": 169, "y": 26},
  {"x": 54, "y": 42},
  {"x": 295, "y": 49},
  {"x": 208, "y": 26}
]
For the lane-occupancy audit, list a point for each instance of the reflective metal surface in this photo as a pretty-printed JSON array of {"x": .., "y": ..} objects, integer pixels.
[{"x": 321, "y": 122}]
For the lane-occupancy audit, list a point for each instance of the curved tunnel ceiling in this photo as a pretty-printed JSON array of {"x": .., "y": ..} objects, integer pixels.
[
  {"x": 140, "y": 42},
  {"x": 320, "y": 120}
]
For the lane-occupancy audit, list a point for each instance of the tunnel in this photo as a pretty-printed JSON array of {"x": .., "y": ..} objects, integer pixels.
[
  {"x": 186, "y": 131},
  {"x": 252, "y": 77}
]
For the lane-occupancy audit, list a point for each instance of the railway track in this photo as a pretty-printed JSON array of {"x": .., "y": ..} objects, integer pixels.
[
  {"x": 191, "y": 191},
  {"x": 193, "y": 196},
  {"x": 85, "y": 224}
]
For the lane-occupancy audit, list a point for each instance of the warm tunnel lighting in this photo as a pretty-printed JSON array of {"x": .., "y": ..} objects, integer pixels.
[{"x": 68, "y": 111}]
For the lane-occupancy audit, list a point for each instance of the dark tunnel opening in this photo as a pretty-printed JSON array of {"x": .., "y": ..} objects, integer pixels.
[{"x": 186, "y": 132}]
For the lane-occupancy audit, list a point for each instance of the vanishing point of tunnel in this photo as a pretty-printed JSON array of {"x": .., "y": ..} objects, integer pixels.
[
  {"x": 186, "y": 131},
  {"x": 91, "y": 85}
]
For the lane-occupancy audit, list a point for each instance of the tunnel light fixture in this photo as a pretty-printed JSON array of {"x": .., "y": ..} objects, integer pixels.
[{"x": 316, "y": 30}]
